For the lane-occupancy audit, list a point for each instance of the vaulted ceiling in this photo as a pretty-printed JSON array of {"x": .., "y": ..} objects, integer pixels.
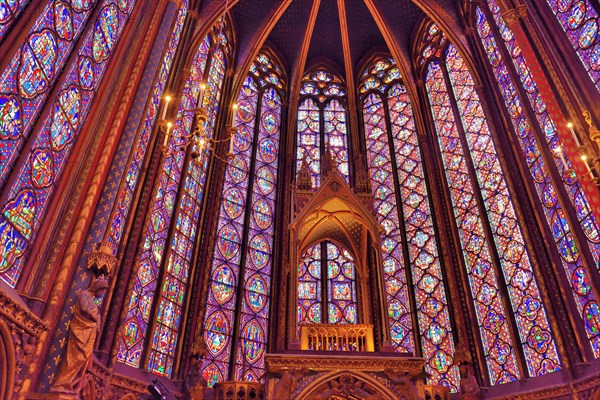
[{"x": 304, "y": 33}]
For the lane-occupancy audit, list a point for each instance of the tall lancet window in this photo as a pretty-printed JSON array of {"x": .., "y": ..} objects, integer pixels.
[
  {"x": 495, "y": 255},
  {"x": 579, "y": 20},
  {"x": 394, "y": 161},
  {"x": 139, "y": 148},
  {"x": 327, "y": 285},
  {"x": 537, "y": 135},
  {"x": 25, "y": 85},
  {"x": 156, "y": 307},
  {"x": 242, "y": 260},
  {"x": 322, "y": 126}
]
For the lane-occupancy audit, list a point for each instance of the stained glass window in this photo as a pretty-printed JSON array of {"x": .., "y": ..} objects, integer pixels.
[
  {"x": 531, "y": 145},
  {"x": 9, "y": 11},
  {"x": 243, "y": 253},
  {"x": 310, "y": 299},
  {"x": 170, "y": 293},
  {"x": 322, "y": 125},
  {"x": 36, "y": 180},
  {"x": 381, "y": 80},
  {"x": 26, "y": 81},
  {"x": 579, "y": 20},
  {"x": 140, "y": 145},
  {"x": 478, "y": 150},
  {"x": 331, "y": 290}
]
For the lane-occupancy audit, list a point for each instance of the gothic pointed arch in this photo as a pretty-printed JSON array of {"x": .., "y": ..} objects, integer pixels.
[{"x": 354, "y": 384}]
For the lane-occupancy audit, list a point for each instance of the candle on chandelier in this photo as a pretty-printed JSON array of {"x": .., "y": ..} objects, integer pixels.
[
  {"x": 587, "y": 166},
  {"x": 166, "y": 138},
  {"x": 562, "y": 157},
  {"x": 164, "y": 111},
  {"x": 235, "y": 108},
  {"x": 575, "y": 138},
  {"x": 231, "y": 142},
  {"x": 201, "y": 94}
]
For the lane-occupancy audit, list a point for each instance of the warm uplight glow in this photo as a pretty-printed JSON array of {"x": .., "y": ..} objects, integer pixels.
[
  {"x": 235, "y": 108},
  {"x": 570, "y": 125},
  {"x": 166, "y": 138}
]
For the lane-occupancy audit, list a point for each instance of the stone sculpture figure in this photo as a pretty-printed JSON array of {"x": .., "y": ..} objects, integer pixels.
[{"x": 83, "y": 330}]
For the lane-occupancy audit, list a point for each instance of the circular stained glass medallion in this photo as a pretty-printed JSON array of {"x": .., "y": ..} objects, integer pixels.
[{"x": 228, "y": 241}]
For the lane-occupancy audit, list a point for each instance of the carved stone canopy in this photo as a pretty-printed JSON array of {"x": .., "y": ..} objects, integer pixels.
[{"x": 335, "y": 212}]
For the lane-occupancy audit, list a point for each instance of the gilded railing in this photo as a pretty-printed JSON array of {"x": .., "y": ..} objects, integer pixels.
[{"x": 336, "y": 337}]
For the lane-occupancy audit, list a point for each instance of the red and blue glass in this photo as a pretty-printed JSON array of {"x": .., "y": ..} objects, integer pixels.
[
  {"x": 322, "y": 125},
  {"x": 242, "y": 258},
  {"x": 147, "y": 268},
  {"x": 579, "y": 20},
  {"x": 183, "y": 237},
  {"x": 326, "y": 296},
  {"x": 531, "y": 145},
  {"x": 310, "y": 309},
  {"x": 140, "y": 145},
  {"x": 254, "y": 315},
  {"x": 26, "y": 81},
  {"x": 9, "y": 11},
  {"x": 37, "y": 178},
  {"x": 381, "y": 171},
  {"x": 530, "y": 314},
  {"x": 437, "y": 341},
  {"x": 490, "y": 305}
]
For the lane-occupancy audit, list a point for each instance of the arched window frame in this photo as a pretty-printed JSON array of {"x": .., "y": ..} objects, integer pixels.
[
  {"x": 568, "y": 217},
  {"x": 323, "y": 100},
  {"x": 168, "y": 251},
  {"x": 236, "y": 319},
  {"x": 324, "y": 285},
  {"x": 512, "y": 354},
  {"x": 436, "y": 336}
]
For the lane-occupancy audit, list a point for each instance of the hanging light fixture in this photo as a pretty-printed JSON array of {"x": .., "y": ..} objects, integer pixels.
[{"x": 198, "y": 138}]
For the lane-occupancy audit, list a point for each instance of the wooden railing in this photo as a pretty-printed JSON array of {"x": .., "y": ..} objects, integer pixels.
[{"x": 336, "y": 337}]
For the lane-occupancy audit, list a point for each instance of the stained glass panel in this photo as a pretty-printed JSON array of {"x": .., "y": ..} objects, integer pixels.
[
  {"x": 227, "y": 255},
  {"x": 534, "y": 330},
  {"x": 183, "y": 237},
  {"x": 437, "y": 341},
  {"x": 321, "y": 124},
  {"x": 308, "y": 149},
  {"x": 25, "y": 82},
  {"x": 128, "y": 184},
  {"x": 545, "y": 188},
  {"x": 254, "y": 316},
  {"x": 309, "y": 287},
  {"x": 336, "y": 141},
  {"x": 394, "y": 266},
  {"x": 36, "y": 180},
  {"x": 490, "y": 306},
  {"x": 156, "y": 230},
  {"x": 243, "y": 249},
  {"x": 341, "y": 286},
  {"x": 10, "y": 10},
  {"x": 579, "y": 20}
]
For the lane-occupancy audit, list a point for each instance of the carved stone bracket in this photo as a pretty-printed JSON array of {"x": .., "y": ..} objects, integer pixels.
[
  {"x": 513, "y": 15},
  {"x": 103, "y": 260}
]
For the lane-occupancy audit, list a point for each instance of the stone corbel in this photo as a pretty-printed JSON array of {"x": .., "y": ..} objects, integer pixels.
[
  {"x": 103, "y": 260},
  {"x": 515, "y": 14}
]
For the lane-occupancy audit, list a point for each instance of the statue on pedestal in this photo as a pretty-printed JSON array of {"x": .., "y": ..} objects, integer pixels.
[{"x": 83, "y": 330}]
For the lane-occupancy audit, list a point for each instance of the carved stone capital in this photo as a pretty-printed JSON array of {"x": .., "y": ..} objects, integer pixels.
[{"x": 515, "y": 14}]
